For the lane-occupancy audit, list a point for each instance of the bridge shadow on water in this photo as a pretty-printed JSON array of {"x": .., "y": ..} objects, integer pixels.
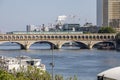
[
  {"x": 104, "y": 46},
  {"x": 36, "y": 46},
  {"x": 66, "y": 46}
]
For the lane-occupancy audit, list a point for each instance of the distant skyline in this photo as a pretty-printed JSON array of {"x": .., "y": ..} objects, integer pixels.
[{"x": 16, "y": 14}]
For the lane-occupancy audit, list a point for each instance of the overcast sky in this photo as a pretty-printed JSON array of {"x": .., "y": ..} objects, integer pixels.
[{"x": 16, "y": 14}]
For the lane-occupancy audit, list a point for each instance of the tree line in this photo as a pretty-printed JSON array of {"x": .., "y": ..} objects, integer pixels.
[{"x": 32, "y": 73}]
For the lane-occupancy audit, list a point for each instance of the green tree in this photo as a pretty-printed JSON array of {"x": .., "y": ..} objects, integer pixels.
[
  {"x": 58, "y": 77},
  {"x": 106, "y": 30},
  {"x": 117, "y": 41},
  {"x": 32, "y": 73},
  {"x": 117, "y": 38},
  {"x": 4, "y": 75}
]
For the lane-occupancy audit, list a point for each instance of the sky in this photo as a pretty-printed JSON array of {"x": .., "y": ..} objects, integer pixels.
[{"x": 16, "y": 14}]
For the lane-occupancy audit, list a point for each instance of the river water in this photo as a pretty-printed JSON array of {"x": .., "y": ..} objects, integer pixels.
[{"x": 85, "y": 64}]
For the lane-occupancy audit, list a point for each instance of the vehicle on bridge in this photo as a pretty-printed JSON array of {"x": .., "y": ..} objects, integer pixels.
[{"x": 45, "y": 32}]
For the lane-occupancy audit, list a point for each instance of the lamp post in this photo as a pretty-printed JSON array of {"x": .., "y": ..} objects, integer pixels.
[{"x": 52, "y": 63}]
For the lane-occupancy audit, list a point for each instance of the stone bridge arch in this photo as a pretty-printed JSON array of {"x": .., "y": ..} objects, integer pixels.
[
  {"x": 21, "y": 43},
  {"x": 96, "y": 42},
  {"x": 51, "y": 43},
  {"x": 58, "y": 39},
  {"x": 61, "y": 43}
]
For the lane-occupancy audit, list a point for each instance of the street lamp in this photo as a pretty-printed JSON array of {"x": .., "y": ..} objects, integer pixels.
[{"x": 52, "y": 63}]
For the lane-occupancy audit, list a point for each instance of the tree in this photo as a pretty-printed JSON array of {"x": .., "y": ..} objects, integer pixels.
[
  {"x": 117, "y": 41},
  {"x": 32, "y": 73},
  {"x": 4, "y": 75},
  {"x": 106, "y": 30},
  {"x": 117, "y": 38}
]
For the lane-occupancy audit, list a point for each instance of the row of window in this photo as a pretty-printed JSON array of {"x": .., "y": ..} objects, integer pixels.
[{"x": 56, "y": 37}]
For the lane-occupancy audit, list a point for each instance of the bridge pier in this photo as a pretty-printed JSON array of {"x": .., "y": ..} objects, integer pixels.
[
  {"x": 22, "y": 47},
  {"x": 56, "y": 46},
  {"x": 90, "y": 46},
  {"x": 25, "y": 47}
]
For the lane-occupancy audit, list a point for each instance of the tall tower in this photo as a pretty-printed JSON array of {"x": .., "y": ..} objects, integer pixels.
[
  {"x": 108, "y": 13},
  {"x": 99, "y": 13}
]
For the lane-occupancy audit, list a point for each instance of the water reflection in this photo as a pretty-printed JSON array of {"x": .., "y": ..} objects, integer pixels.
[{"x": 86, "y": 64}]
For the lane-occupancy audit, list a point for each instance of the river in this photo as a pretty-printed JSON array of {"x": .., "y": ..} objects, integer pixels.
[{"x": 83, "y": 63}]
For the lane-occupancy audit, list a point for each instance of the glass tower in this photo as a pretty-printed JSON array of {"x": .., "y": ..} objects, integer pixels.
[{"x": 108, "y": 13}]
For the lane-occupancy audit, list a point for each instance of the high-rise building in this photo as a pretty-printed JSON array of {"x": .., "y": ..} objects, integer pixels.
[
  {"x": 30, "y": 28},
  {"x": 99, "y": 13},
  {"x": 108, "y": 13}
]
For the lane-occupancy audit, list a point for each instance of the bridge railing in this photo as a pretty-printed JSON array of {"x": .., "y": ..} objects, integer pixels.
[
  {"x": 45, "y": 32},
  {"x": 21, "y": 37}
]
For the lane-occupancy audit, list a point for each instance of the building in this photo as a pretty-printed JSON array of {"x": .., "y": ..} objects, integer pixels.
[
  {"x": 61, "y": 19},
  {"x": 89, "y": 28},
  {"x": 36, "y": 28},
  {"x": 99, "y": 13},
  {"x": 71, "y": 27},
  {"x": 30, "y": 28},
  {"x": 108, "y": 13}
]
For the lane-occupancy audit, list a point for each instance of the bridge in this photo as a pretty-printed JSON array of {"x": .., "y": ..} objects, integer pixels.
[{"x": 26, "y": 40}]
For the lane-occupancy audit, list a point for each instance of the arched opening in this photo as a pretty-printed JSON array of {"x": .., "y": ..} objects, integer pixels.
[
  {"x": 94, "y": 37},
  {"x": 104, "y": 46},
  {"x": 60, "y": 37},
  {"x": 71, "y": 37},
  {"x": 67, "y": 37},
  {"x": 82, "y": 37},
  {"x": 108, "y": 37},
  {"x": 42, "y": 45},
  {"x": 86, "y": 37},
  {"x": 10, "y": 46},
  {"x": 79, "y": 37},
  {"x": 74, "y": 45},
  {"x": 64, "y": 36},
  {"x": 90, "y": 37},
  {"x": 97, "y": 37},
  {"x": 48, "y": 37},
  {"x": 105, "y": 37}
]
